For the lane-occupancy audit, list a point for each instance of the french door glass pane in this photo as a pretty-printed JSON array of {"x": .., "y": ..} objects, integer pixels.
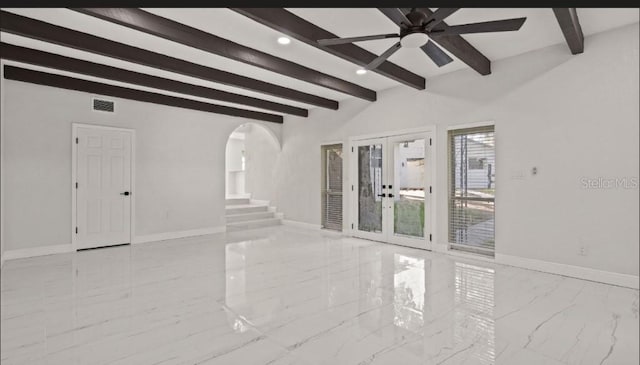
[
  {"x": 408, "y": 188},
  {"x": 370, "y": 188}
]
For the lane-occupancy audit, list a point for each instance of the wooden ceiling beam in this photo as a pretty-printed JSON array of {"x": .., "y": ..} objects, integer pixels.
[
  {"x": 181, "y": 33},
  {"x": 72, "y": 83},
  {"x": 51, "y": 60},
  {"x": 36, "y": 29},
  {"x": 309, "y": 33},
  {"x": 571, "y": 29}
]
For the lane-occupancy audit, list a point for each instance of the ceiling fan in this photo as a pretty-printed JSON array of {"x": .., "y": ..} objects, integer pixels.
[{"x": 417, "y": 27}]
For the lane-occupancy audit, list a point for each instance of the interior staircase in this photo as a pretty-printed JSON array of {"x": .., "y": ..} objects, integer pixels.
[{"x": 244, "y": 213}]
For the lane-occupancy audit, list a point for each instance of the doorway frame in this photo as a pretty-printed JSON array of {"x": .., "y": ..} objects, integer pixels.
[
  {"x": 430, "y": 158},
  {"x": 74, "y": 175}
]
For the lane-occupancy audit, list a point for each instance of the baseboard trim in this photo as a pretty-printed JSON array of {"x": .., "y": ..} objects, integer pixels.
[
  {"x": 239, "y": 196},
  {"x": 178, "y": 234},
  {"x": 298, "y": 224},
  {"x": 36, "y": 251},
  {"x": 601, "y": 276},
  {"x": 52, "y": 250},
  {"x": 444, "y": 249}
]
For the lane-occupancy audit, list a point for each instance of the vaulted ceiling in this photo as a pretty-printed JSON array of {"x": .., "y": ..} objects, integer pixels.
[{"x": 229, "y": 61}]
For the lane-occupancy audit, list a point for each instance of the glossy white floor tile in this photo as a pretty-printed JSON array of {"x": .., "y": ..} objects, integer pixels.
[{"x": 289, "y": 296}]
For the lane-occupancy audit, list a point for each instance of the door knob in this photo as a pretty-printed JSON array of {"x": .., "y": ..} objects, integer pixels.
[{"x": 125, "y": 193}]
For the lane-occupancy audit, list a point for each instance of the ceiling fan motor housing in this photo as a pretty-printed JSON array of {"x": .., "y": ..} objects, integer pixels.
[
  {"x": 414, "y": 35},
  {"x": 417, "y": 18}
]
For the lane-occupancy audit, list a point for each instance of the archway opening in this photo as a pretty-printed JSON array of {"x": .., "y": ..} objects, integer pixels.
[{"x": 251, "y": 154}]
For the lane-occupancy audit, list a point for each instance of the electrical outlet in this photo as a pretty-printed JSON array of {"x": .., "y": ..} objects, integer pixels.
[
  {"x": 517, "y": 175},
  {"x": 583, "y": 251}
]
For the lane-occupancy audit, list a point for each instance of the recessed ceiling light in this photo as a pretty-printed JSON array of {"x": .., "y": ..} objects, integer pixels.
[
  {"x": 284, "y": 40},
  {"x": 361, "y": 71}
]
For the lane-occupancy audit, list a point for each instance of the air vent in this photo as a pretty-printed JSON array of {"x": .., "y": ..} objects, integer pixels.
[{"x": 103, "y": 105}]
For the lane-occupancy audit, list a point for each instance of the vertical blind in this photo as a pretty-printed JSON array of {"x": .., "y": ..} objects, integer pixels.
[
  {"x": 472, "y": 168},
  {"x": 332, "y": 187}
]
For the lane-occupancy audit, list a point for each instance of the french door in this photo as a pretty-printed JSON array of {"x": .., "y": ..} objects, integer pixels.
[{"x": 392, "y": 189}]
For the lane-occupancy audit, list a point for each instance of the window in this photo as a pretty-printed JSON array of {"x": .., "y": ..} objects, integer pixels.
[
  {"x": 472, "y": 189},
  {"x": 332, "y": 187},
  {"x": 476, "y": 163}
]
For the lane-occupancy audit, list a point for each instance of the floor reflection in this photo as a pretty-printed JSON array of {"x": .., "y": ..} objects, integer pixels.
[
  {"x": 428, "y": 312},
  {"x": 409, "y": 292},
  {"x": 474, "y": 300},
  {"x": 299, "y": 297}
]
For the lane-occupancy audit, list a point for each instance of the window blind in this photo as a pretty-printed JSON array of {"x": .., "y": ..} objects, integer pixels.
[
  {"x": 472, "y": 168},
  {"x": 332, "y": 187}
]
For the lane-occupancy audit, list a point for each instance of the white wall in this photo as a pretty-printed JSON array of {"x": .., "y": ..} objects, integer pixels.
[
  {"x": 180, "y": 157},
  {"x": 233, "y": 166},
  {"x": 2, "y": 174},
  {"x": 569, "y": 116},
  {"x": 262, "y": 152}
]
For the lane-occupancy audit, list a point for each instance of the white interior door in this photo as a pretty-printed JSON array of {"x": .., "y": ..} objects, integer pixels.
[
  {"x": 103, "y": 190},
  {"x": 392, "y": 189}
]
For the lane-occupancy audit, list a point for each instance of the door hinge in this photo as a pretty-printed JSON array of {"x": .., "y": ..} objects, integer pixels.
[
  {"x": 430, "y": 190},
  {"x": 77, "y": 140},
  {"x": 351, "y": 149},
  {"x": 430, "y": 141},
  {"x": 351, "y": 187},
  {"x": 76, "y": 185},
  {"x": 430, "y": 237},
  {"x": 351, "y": 225},
  {"x": 76, "y": 230}
]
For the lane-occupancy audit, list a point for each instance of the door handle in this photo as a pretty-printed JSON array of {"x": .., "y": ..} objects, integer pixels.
[
  {"x": 126, "y": 193},
  {"x": 390, "y": 195},
  {"x": 383, "y": 195}
]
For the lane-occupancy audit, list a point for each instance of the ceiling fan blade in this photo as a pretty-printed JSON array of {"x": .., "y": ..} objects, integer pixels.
[
  {"x": 492, "y": 26},
  {"x": 437, "y": 55},
  {"x": 333, "y": 41},
  {"x": 396, "y": 15},
  {"x": 438, "y": 16},
  {"x": 383, "y": 57}
]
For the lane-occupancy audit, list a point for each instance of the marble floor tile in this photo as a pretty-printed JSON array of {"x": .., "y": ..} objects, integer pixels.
[{"x": 286, "y": 295}]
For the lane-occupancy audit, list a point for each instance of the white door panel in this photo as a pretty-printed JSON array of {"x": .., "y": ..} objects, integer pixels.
[{"x": 103, "y": 213}]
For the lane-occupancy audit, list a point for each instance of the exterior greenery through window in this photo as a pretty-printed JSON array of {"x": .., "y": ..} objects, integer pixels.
[{"x": 472, "y": 187}]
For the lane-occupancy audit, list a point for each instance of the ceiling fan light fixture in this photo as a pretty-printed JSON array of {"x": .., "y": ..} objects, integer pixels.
[
  {"x": 361, "y": 71},
  {"x": 414, "y": 40},
  {"x": 284, "y": 40}
]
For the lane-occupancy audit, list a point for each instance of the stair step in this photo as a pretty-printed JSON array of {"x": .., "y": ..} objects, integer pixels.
[
  {"x": 238, "y": 201},
  {"x": 245, "y": 209},
  {"x": 258, "y": 223},
  {"x": 249, "y": 216}
]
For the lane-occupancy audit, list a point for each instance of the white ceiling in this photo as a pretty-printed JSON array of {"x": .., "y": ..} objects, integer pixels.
[{"x": 540, "y": 30}]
